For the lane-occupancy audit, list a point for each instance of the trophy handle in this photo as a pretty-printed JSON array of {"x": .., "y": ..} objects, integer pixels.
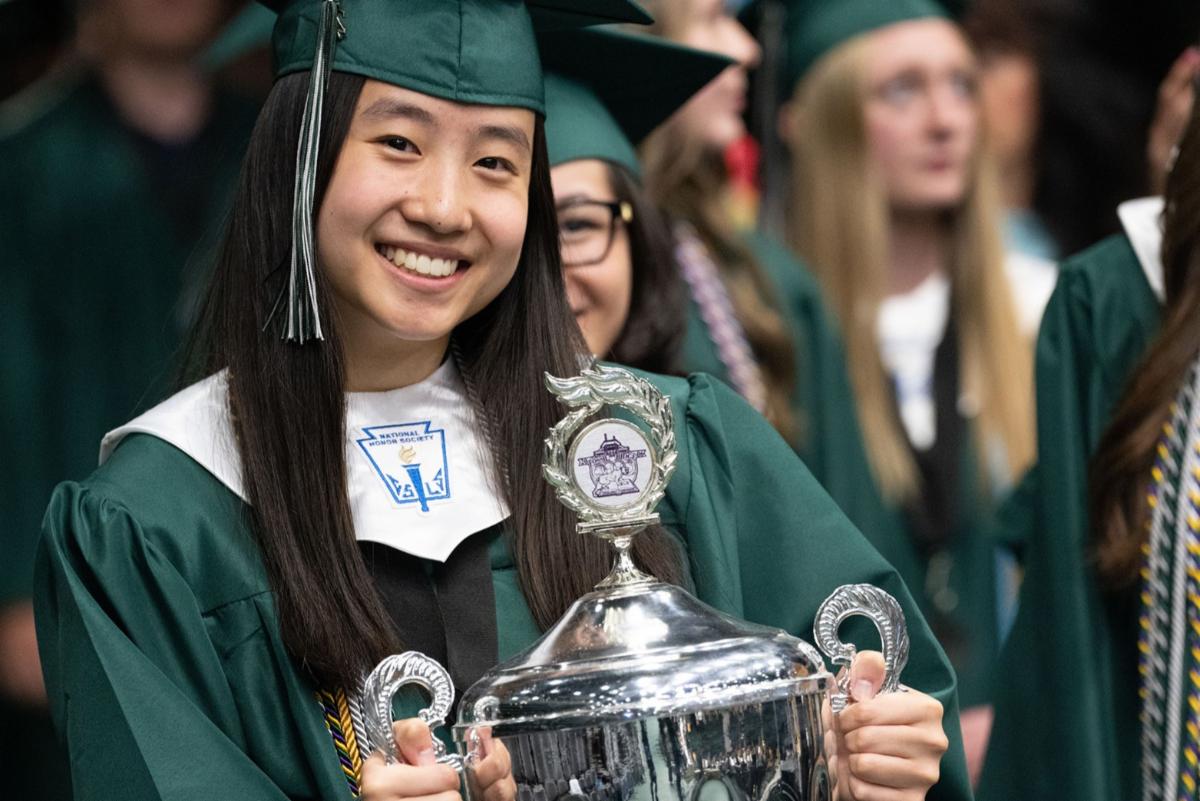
[
  {"x": 864, "y": 600},
  {"x": 382, "y": 684}
]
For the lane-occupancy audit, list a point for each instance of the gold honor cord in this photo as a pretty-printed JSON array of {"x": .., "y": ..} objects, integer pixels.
[{"x": 336, "y": 711}]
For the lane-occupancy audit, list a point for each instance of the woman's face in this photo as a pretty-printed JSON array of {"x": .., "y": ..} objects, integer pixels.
[
  {"x": 597, "y": 263},
  {"x": 921, "y": 114},
  {"x": 424, "y": 217},
  {"x": 714, "y": 115}
]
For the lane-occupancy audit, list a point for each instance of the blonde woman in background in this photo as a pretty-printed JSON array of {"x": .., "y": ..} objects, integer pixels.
[
  {"x": 894, "y": 208},
  {"x": 755, "y": 317}
]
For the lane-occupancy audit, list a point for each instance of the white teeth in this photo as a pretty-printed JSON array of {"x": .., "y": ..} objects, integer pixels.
[{"x": 424, "y": 265}]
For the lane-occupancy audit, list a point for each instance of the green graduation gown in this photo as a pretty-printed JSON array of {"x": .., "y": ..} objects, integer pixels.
[
  {"x": 831, "y": 444},
  {"x": 1066, "y": 724},
  {"x": 167, "y": 674}
]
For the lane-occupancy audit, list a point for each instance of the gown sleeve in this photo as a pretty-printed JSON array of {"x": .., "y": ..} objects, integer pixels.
[
  {"x": 767, "y": 543},
  {"x": 1061, "y": 694},
  {"x": 135, "y": 685}
]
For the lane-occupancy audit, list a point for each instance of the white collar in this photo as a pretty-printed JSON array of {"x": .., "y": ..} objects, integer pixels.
[
  {"x": 1141, "y": 220},
  {"x": 418, "y": 473}
]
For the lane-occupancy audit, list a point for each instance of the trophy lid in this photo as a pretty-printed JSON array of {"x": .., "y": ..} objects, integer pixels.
[
  {"x": 634, "y": 647},
  {"x": 625, "y": 653}
]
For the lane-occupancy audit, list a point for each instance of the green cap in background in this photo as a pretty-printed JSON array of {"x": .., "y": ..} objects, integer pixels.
[
  {"x": 815, "y": 27},
  {"x": 607, "y": 89}
]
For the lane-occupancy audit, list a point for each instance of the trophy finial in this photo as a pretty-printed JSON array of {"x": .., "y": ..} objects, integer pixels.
[{"x": 611, "y": 472}]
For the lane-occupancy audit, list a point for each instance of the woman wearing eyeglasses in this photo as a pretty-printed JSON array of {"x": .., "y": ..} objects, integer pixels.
[{"x": 622, "y": 282}]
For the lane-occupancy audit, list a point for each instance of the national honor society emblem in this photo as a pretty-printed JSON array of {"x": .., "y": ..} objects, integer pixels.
[{"x": 410, "y": 459}]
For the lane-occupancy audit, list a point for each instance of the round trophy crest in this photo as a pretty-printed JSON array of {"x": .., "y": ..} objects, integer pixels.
[
  {"x": 611, "y": 472},
  {"x": 612, "y": 463}
]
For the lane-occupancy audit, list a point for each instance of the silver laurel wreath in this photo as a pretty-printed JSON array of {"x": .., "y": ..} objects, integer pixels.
[
  {"x": 852, "y": 600},
  {"x": 382, "y": 684},
  {"x": 587, "y": 394}
]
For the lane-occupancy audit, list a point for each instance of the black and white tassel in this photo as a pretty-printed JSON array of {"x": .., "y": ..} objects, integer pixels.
[{"x": 303, "y": 316}]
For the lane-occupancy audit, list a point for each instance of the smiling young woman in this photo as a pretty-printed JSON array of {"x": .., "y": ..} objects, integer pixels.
[{"x": 371, "y": 480}]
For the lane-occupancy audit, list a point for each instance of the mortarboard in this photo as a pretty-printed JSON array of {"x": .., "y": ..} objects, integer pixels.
[
  {"x": 607, "y": 89},
  {"x": 815, "y": 27}
]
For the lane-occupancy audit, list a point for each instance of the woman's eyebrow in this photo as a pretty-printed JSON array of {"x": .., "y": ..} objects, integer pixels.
[
  {"x": 387, "y": 108},
  {"x": 506, "y": 133},
  {"x": 573, "y": 199}
]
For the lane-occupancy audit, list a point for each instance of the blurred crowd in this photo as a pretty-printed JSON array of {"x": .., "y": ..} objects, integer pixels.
[{"x": 858, "y": 226}]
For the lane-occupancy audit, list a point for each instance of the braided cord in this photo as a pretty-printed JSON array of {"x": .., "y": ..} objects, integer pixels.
[
  {"x": 1188, "y": 524},
  {"x": 716, "y": 309},
  {"x": 1169, "y": 623},
  {"x": 336, "y": 710}
]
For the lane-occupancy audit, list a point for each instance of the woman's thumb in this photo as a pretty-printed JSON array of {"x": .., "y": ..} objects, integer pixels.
[
  {"x": 414, "y": 742},
  {"x": 866, "y": 675}
]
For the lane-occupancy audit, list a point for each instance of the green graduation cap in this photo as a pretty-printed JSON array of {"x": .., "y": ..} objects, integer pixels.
[
  {"x": 607, "y": 89},
  {"x": 467, "y": 51},
  {"x": 814, "y": 27}
]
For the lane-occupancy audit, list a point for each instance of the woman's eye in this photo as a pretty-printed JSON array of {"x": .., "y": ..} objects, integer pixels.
[
  {"x": 497, "y": 163},
  {"x": 400, "y": 143},
  {"x": 577, "y": 225},
  {"x": 900, "y": 90}
]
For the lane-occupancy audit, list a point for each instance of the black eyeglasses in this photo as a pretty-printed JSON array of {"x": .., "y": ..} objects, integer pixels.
[{"x": 587, "y": 229}]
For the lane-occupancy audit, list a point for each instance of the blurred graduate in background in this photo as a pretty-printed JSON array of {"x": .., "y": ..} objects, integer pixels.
[{"x": 894, "y": 207}]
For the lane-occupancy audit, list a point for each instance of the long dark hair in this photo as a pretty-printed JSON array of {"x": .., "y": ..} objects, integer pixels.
[
  {"x": 1121, "y": 466},
  {"x": 287, "y": 405},
  {"x": 653, "y": 332}
]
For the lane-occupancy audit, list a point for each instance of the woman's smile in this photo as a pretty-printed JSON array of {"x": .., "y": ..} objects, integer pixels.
[{"x": 425, "y": 267}]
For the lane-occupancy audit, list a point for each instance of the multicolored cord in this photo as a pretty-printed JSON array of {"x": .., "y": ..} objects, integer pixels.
[
  {"x": 1169, "y": 623},
  {"x": 338, "y": 720},
  {"x": 716, "y": 309}
]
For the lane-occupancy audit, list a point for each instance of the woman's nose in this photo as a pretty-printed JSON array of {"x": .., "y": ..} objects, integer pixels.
[
  {"x": 950, "y": 113},
  {"x": 438, "y": 202}
]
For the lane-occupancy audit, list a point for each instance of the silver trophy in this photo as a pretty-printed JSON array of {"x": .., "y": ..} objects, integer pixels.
[{"x": 641, "y": 692}]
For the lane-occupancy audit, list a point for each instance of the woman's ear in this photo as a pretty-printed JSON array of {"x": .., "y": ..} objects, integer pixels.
[{"x": 787, "y": 122}]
